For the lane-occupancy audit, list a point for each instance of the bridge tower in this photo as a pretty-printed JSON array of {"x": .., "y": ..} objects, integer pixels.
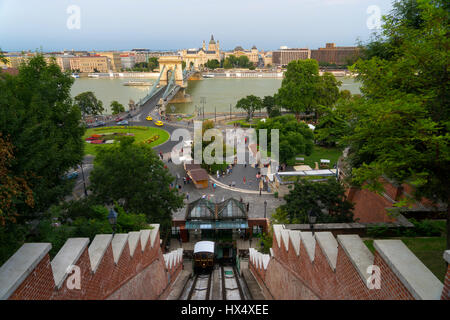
[{"x": 172, "y": 64}]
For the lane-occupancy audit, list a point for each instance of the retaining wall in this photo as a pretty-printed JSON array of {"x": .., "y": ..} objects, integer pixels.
[
  {"x": 123, "y": 266},
  {"x": 303, "y": 266}
]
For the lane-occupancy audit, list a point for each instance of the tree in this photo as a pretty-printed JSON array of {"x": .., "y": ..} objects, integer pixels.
[
  {"x": 327, "y": 92},
  {"x": 294, "y": 137},
  {"x": 88, "y": 103},
  {"x": 13, "y": 189},
  {"x": 327, "y": 199},
  {"x": 400, "y": 126},
  {"x": 331, "y": 128},
  {"x": 133, "y": 175},
  {"x": 250, "y": 104},
  {"x": 40, "y": 121},
  {"x": 117, "y": 107},
  {"x": 244, "y": 62},
  {"x": 183, "y": 65},
  {"x": 298, "y": 88},
  {"x": 153, "y": 63},
  {"x": 272, "y": 109},
  {"x": 212, "y": 64}
]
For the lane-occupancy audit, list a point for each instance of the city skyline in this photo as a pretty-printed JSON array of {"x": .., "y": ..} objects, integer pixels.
[{"x": 175, "y": 25}]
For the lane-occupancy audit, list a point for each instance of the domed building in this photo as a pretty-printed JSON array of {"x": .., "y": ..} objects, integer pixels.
[
  {"x": 198, "y": 57},
  {"x": 253, "y": 54}
]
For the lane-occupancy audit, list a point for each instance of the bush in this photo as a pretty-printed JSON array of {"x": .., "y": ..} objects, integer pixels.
[
  {"x": 275, "y": 194},
  {"x": 424, "y": 228}
]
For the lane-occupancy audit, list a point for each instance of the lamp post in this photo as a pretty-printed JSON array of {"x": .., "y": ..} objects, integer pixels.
[
  {"x": 84, "y": 181},
  {"x": 112, "y": 218},
  {"x": 265, "y": 207},
  {"x": 312, "y": 217}
]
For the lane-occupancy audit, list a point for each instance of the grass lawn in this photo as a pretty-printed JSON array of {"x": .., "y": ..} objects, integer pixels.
[
  {"x": 429, "y": 250},
  {"x": 242, "y": 122},
  {"x": 318, "y": 153},
  {"x": 141, "y": 134}
]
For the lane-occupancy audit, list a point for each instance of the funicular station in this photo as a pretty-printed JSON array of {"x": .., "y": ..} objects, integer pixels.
[{"x": 225, "y": 223}]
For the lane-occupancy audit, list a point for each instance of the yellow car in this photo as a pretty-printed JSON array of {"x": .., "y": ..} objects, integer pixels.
[
  {"x": 149, "y": 118},
  {"x": 159, "y": 123}
]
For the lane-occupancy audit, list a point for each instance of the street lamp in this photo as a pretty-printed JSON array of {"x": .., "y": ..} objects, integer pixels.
[
  {"x": 112, "y": 218},
  {"x": 265, "y": 207},
  {"x": 312, "y": 217},
  {"x": 84, "y": 181}
]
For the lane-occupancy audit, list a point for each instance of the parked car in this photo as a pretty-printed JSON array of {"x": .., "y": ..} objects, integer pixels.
[
  {"x": 119, "y": 119},
  {"x": 123, "y": 123},
  {"x": 159, "y": 123},
  {"x": 72, "y": 175},
  {"x": 129, "y": 116},
  {"x": 99, "y": 123},
  {"x": 149, "y": 118}
]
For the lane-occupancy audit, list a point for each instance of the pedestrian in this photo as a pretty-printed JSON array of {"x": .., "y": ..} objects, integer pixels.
[
  {"x": 187, "y": 196},
  {"x": 218, "y": 174},
  {"x": 244, "y": 179},
  {"x": 184, "y": 180},
  {"x": 179, "y": 187}
]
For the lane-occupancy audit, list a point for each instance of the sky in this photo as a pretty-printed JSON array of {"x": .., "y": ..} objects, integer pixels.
[{"x": 53, "y": 25}]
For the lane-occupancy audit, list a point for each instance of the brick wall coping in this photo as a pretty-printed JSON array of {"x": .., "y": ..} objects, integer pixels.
[
  {"x": 285, "y": 238},
  {"x": 295, "y": 240},
  {"x": 329, "y": 246},
  {"x": 259, "y": 259},
  {"x": 97, "y": 249},
  {"x": 14, "y": 271},
  {"x": 118, "y": 243},
  {"x": 277, "y": 231},
  {"x": 309, "y": 242},
  {"x": 133, "y": 238},
  {"x": 414, "y": 275},
  {"x": 145, "y": 235},
  {"x": 358, "y": 253},
  {"x": 153, "y": 233},
  {"x": 172, "y": 258},
  {"x": 67, "y": 256},
  {"x": 447, "y": 256}
]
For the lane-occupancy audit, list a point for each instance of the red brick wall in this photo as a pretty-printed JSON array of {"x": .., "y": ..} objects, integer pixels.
[
  {"x": 446, "y": 290},
  {"x": 293, "y": 277},
  {"x": 370, "y": 207},
  {"x": 142, "y": 276}
]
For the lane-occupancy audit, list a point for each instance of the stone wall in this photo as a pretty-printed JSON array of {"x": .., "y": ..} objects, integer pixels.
[
  {"x": 123, "y": 266},
  {"x": 320, "y": 266}
]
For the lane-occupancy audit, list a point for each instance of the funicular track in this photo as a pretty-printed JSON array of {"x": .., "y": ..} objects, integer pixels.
[
  {"x": 200, "y": 288},
  {"x": 231, "y": 286}
]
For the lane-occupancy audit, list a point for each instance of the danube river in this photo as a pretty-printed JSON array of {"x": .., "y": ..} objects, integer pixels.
[{"x": 219, "y": 93}]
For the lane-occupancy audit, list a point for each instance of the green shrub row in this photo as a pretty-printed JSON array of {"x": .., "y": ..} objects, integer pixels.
[
  {"x": 121, "y": 127},
  {"x": 424, "y": 228}
]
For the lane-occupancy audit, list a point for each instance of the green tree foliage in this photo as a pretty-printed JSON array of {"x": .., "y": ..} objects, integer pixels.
[
  {"x": 212, "y": 64},
  {"x": 132, "y": 174},
  {"x": 327, "y": 199},
  {"x": 89, "y": 104},
  {"x": 331, "y": 128},
  {"x": 250, "y": 104},
  {"x": 13, "y": 189},
  {"x": 40, "y": 121},
  {"x": 83, "y": 218},
  {"x": 272, "y": 109},
  {"x": 400, "y": 126},
  {"x": 295, "y": 137},
  {"x": 303, "y": 90},
  {"x": 234, "y": 62},
  {"x": 117, "y": 107},
  {"x": 153, "y": 63}
]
